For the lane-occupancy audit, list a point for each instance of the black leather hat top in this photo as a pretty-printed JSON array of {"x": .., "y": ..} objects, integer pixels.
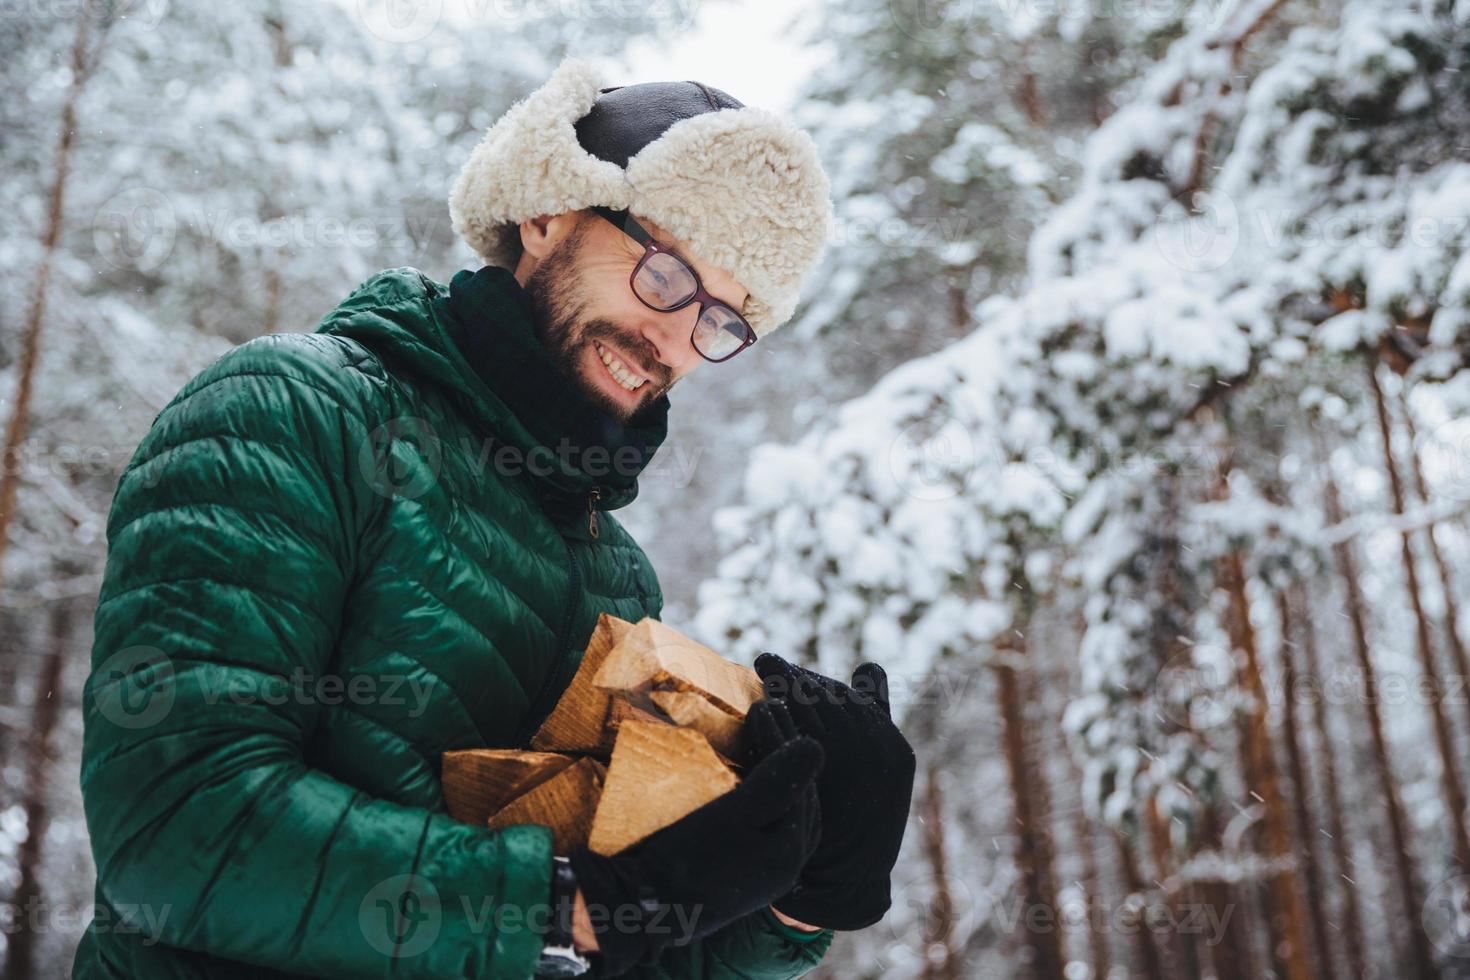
[{"x": 626, "y": 118}]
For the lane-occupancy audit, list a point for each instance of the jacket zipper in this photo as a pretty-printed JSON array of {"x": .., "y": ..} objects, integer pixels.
[
  {"x": 563, "y": 636},
  {"x": 592, "y": 499}
]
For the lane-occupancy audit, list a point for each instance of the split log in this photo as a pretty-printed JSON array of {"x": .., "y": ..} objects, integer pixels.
[
  {"x": 566, "y": 803},
  {"x": 653, "y": 657},
  {"x": 693, "y": 711},
  {"x": 478, "y": 782},
  {"x": 661, "y": 710},
  {"x": 658, "y": 774},
  {"x": 620, "y": 709},
  {"x": 714, "y": 724},
  {"x": 578, "y": 723}
]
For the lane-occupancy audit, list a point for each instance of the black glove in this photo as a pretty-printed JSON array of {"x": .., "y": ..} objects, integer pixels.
[
  {"x": 716, "y": 864},
  {"x": 865, "y": 788}
]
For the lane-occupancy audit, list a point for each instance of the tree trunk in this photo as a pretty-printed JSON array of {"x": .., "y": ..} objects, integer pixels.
[
  {"x": 1033, "y": 850},
  {"x": 1175, "y": 947},
  {"x": 1091, "y": 884},
  {"x": 1351, "y": 931},
  {"x": 1446, "y": 581},
  {"x": 1097, "y": 922},
  {"x": 1419, "y": 957},
  {"x": 1287, "y": 915},
  {"x": 272, "y": 299},
  {"x": 1454, "y": 793},
  {"x": 30, "y": 352},
  {"x": 1301, "y": 802},
  {"x": 1143, "y": 937},
  {"x": 1231, "y": 957},
  {"x": 941, "y": 906},
  {"x": 20, "y": 950}
]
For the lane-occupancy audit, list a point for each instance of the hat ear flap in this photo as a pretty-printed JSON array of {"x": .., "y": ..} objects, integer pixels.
[{"x": 530, "y": 163}]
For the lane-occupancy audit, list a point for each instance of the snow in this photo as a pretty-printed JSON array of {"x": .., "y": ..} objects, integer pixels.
[{"x": 1060, "y": 440}]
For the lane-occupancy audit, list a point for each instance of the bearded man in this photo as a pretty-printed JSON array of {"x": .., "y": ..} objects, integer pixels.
[{"x": 337, "y": 555}]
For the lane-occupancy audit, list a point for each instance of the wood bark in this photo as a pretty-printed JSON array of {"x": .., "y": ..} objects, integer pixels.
[
  {"x": 83, "y": 60},
  {"x": 1175, "y": 947},
  {"x": 1449, "y": 772},
  {"x": 20, "y": 949},
  {"x": 1290, "y": 946},
  {"x": 1419, "y": 959},
  {"x": 1350, "y": 932},
  {"x": 1147, "y": 953},
  {"x": 1286, "y": 914},
  {"x": 1446, "y": 580},
  {"x": 1301, "y": 794},
  {"x": 1232, "y": 956},
  {"x": 1033, "y": 853},
  {"x": 1091, "y": 885},
  {"x": 942, "y": 959}
]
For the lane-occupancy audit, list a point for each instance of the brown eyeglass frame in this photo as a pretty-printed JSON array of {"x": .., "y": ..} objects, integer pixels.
[{"x": 629, "y": 225}]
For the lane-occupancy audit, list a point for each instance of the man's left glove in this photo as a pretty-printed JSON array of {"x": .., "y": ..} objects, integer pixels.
[
  {"x": 865, "y": 787},
  {"x": 717, "y": 863}
]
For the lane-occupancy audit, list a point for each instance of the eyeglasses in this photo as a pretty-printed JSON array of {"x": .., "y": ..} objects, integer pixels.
[{"x": 666, "y": 283}]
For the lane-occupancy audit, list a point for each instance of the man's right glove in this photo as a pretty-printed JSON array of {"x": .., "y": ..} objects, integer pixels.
[
  {"x": 716, "y": 864},
  {"x": 865, "y": 786}
]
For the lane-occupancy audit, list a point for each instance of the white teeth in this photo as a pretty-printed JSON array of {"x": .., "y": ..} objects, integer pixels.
[{"x": 618, "y": 369}]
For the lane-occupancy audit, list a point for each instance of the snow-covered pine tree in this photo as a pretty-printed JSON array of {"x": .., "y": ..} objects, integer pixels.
[{"x": 1243, "y": 223}]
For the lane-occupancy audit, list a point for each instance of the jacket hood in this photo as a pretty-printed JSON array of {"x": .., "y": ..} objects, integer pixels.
[{"x": 475, "y": 339}]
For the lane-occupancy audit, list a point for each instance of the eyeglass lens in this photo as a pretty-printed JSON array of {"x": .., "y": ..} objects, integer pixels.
[{"x": 665, "y": 282}]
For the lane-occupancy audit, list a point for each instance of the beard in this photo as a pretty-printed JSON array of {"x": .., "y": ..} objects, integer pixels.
[{"x": 559, "y": 308}]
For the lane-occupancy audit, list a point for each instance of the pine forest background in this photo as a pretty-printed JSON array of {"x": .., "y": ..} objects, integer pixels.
[{"x": 1127, "y": 423}]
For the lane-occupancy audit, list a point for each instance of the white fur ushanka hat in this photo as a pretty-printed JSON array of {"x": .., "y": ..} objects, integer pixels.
[{"x": 742, "y": 187}]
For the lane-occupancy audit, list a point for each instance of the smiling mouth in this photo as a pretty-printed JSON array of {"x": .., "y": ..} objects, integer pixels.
[{"x": 618, "y": 370}]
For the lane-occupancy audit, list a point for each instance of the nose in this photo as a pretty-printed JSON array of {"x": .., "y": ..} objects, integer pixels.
[{"x": 672, "y": 337}]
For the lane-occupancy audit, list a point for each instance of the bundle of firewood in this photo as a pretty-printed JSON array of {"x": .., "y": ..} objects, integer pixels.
[{"x": 647, "y": 731}]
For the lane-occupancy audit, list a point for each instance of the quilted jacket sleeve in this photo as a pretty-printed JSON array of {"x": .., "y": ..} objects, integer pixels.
[
  {"x": 756, "y": 947},
  {"x": 231, "y": 545}
]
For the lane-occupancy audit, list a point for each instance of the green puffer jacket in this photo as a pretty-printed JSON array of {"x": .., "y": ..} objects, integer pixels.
[{"x": 335, "y": 556}]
